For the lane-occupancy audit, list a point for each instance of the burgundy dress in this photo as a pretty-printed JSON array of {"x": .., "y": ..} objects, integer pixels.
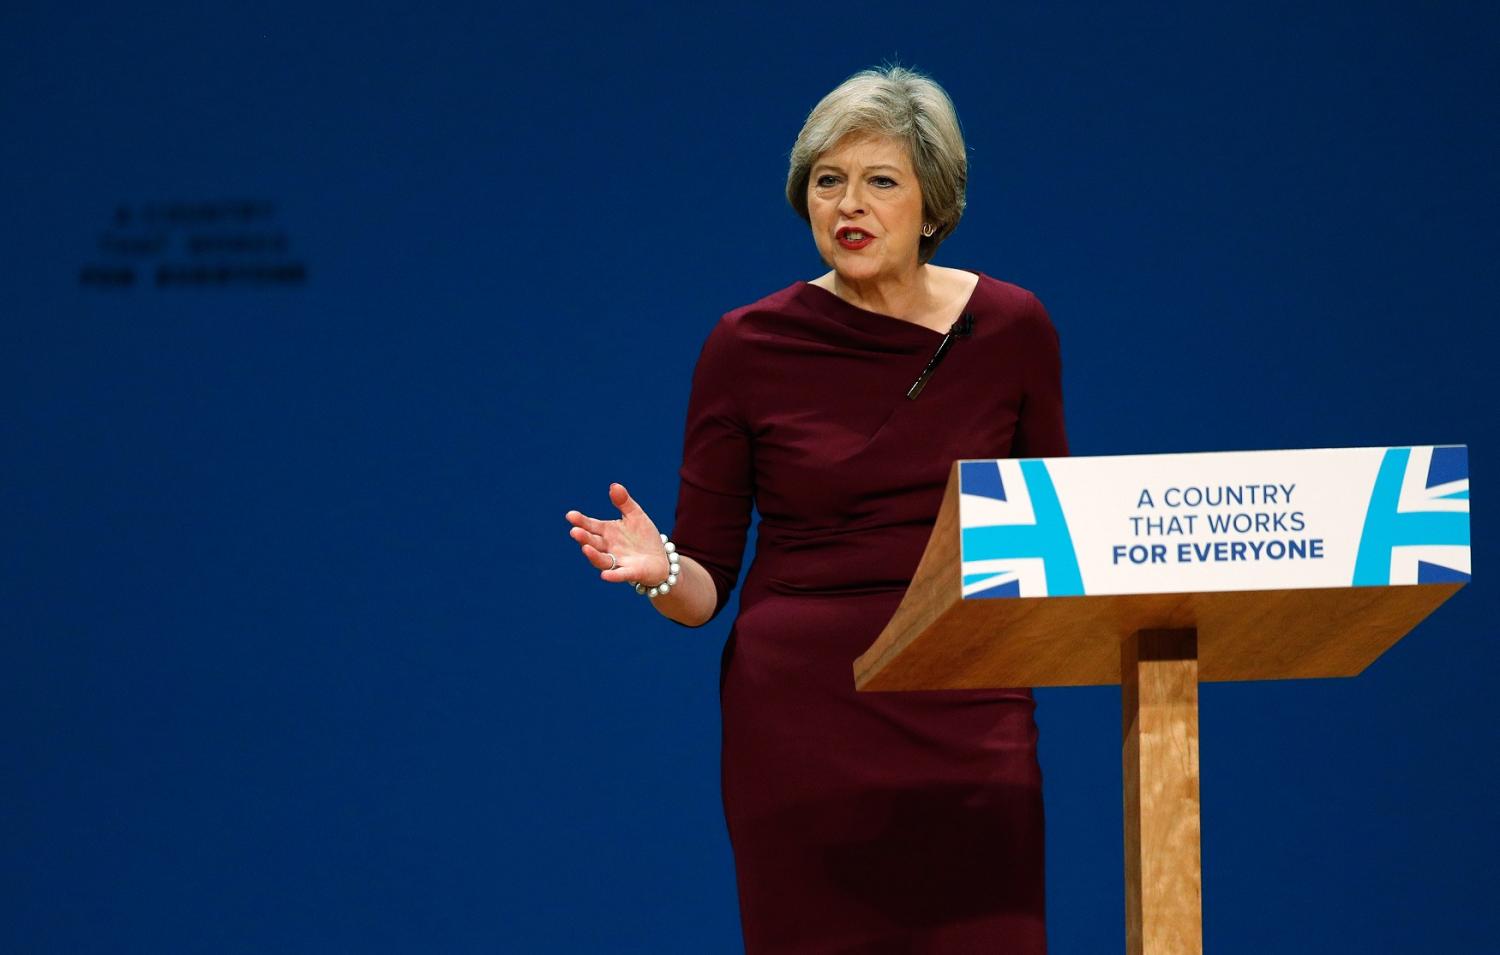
[{"x": 863, "y": 822}]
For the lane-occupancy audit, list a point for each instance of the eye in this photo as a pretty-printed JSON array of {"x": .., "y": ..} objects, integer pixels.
[
  {"x": 882, "y": 182},
  {"x": 826, "y": 180}
]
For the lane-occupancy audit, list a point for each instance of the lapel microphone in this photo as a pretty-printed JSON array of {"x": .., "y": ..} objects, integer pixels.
[{"x": 962, "y": 328}]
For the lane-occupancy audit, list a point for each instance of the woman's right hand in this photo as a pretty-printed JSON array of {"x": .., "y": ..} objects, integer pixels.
[{"x": 633, "y": 539}]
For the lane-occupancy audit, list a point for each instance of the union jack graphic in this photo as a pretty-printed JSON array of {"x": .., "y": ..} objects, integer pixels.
[
  {"x": 1417, "y": 527},
  {"x": 1015, "y": 538}
]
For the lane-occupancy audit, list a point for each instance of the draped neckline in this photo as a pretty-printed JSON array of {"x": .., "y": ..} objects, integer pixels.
[{"x": 867, "y": 322}]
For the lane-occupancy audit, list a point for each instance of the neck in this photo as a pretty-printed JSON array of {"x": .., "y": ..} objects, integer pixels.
[{"x": 906, "y": 296}]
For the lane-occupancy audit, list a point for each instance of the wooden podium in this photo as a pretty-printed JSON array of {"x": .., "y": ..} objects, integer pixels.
[{"x": 1157, "y": 646}]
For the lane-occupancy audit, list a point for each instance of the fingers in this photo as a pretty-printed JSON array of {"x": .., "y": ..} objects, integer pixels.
[
  {"x": 621, "y": 498},
  {"x": 591, "y": 524},
  {"x": 601, "y": 561},
  {"x": 584, "y": 537},
  {"x": 588, "y": 532}
]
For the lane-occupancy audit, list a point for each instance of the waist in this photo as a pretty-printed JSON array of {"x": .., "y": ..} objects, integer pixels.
[{"x": 853, "y": 560}]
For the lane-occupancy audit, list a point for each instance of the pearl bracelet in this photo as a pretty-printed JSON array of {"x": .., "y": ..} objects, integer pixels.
[{"x": 665, "y": 587}]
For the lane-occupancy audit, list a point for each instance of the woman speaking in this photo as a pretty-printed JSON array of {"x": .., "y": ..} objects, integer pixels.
[{"x": 860, "y": 822}]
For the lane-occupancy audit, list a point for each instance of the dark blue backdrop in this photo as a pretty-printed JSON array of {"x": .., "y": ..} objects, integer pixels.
[{"x": 298, "y": 656}]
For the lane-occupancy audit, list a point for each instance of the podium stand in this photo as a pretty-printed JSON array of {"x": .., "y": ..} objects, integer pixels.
[{"x": 1070, "y": 572}]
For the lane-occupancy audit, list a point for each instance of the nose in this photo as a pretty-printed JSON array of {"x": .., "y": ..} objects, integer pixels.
[{"x": 852, "y": 202}]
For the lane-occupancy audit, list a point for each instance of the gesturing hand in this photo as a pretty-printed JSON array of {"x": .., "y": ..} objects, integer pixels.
[{"x": 633, "y": 540}]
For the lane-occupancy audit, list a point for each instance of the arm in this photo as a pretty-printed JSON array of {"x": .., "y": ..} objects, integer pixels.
[
  {"x": 1040, "y": 432},
  {"x": 713, "y": 503}
]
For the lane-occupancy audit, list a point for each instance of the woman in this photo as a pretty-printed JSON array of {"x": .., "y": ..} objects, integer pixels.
[{"x": 861, "y": 822}]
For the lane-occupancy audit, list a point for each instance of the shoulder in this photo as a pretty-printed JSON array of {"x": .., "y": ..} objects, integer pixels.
[
  {"x": 1013, "y": 314},
  {"x": 748, "y": 322},
  {"x": 1008, "y": 300},
  {"x": 740, "y": 328},
  {"x": 778, "y": 302}
]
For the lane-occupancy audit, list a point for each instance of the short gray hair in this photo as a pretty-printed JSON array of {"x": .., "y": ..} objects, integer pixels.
[{"x": 904, "y": 104}]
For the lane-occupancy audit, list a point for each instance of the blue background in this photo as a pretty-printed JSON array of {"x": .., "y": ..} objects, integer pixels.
[{"x": 298, "y": 656}]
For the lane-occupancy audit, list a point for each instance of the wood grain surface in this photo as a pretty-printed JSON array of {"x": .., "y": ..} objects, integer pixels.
[{"x": 1163, "y": 858}]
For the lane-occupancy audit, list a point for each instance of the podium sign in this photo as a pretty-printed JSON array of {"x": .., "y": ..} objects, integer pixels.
[
  {"x": 1184, "y": 523},
  {"x": 1287, "y": 564},
  {"x": 1158, "y": 571}
]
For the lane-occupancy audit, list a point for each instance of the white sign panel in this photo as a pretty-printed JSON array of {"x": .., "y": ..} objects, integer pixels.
[{"x": 1183, "y": 523}]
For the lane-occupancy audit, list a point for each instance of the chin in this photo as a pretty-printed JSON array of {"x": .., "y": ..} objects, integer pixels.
[{"x": 858, "y": 270}]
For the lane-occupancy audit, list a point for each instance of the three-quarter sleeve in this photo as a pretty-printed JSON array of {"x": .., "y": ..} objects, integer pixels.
[
  {"x": 1040, "y": 432},
  {"x": 717, "y": 476}
]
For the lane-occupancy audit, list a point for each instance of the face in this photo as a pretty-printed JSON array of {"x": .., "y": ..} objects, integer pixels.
[{"x": 866, "y": 208}]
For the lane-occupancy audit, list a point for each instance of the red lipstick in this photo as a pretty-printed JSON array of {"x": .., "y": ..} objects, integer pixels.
[{"x": 852, "y": 238}]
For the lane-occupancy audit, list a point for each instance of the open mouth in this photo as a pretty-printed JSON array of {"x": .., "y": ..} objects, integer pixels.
[{"x": 851, "y": 238}]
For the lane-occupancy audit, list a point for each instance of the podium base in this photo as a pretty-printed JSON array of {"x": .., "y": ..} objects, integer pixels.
[{"x": 1163, "y": 856}]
